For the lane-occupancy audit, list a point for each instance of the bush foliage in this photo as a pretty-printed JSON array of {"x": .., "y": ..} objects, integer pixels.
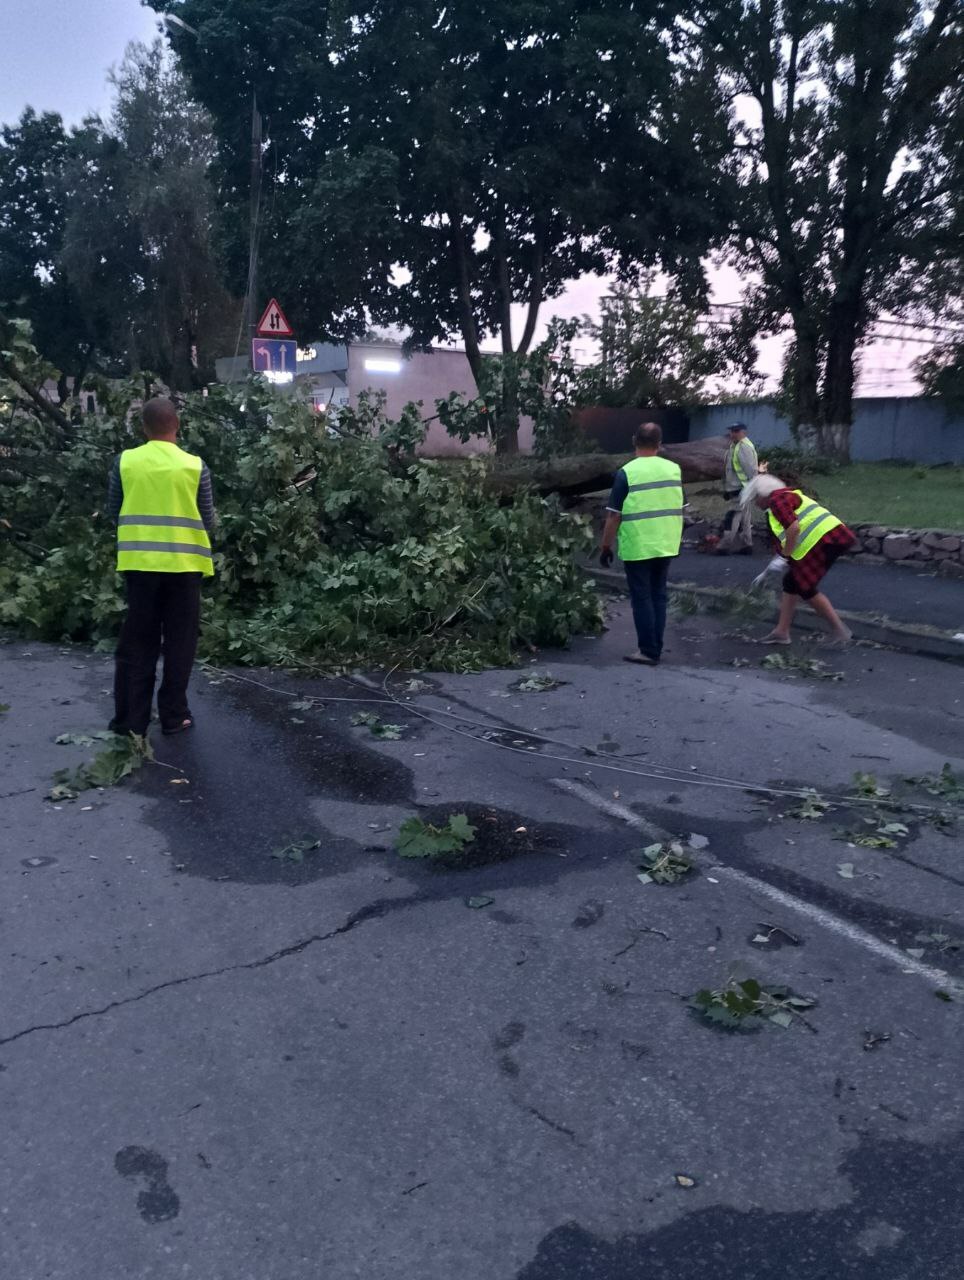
[{"x": 332, "y": 549}]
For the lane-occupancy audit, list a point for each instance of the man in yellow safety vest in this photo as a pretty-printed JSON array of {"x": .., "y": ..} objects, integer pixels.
[
  {"x": 646, "y": 509},
  {"x": 739, "y": 468},
  {"x": 160, "y": 497}
]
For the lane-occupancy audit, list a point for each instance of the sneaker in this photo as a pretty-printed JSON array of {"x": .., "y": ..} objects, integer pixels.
[{"x": 641, "y": 659}]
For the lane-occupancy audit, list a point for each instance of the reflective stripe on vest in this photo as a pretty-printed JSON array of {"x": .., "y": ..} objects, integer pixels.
[
  {"x": 160, "y": 529},
  {"x": 814, "y": 521},
  {"x": 652, "y": 514},
  {"x": 735, "y": 459}
]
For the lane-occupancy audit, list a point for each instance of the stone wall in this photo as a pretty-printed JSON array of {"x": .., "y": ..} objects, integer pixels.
[{"x": 936, "y": 547}]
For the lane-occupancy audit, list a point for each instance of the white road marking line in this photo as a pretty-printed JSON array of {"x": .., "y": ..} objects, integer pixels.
[{"x": 819, "y": 915}]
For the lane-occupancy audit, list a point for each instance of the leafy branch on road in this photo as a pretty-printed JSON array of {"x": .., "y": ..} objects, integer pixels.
[
  {"x": 420, "y": 839},
  {"x": 123, "y": 756},
  {"x": 378, "y": 727},
  {"x": 332, "y": 549},
  {"x": 663, "y": 863},
  {"x": 746, "y": 1005},
  {"x": 793, "y": 665}
]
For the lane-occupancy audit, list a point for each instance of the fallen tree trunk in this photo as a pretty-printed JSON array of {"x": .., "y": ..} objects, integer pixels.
[{"x": 587, "y": 473}]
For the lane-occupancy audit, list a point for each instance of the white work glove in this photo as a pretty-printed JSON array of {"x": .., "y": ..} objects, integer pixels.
[{"x": 776, "y": 565}]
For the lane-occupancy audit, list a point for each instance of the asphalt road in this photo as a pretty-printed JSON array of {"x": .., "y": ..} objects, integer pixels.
[
  {"x": 903, "y": 595},
  {"x": 220, "y": 1065}
]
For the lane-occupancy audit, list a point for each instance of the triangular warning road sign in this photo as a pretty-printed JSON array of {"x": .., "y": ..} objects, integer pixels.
[{"x": 273, "y": 323}]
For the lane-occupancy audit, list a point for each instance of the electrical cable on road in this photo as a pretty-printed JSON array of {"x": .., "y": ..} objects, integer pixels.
[{"x": 666, "y": 773}]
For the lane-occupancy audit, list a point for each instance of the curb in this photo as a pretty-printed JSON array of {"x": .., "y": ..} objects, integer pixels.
[{"x": 931, "y": 642}]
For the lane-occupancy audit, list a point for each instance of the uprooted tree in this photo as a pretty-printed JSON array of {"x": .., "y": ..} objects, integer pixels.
[
  {"x": 441, "y": 166},
  {"x": 332, "y": 549}
]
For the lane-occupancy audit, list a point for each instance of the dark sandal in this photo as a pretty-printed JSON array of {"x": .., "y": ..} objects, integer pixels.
[{"x": 186, "y": 723}]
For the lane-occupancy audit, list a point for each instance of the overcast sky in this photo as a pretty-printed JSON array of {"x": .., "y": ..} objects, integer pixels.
[{"x": 55, "y": 55}]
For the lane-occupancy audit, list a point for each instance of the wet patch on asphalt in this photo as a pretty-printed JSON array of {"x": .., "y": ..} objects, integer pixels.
[
  {"x": 899, "y": 1221},
  {"x": 252, "y": 775}
]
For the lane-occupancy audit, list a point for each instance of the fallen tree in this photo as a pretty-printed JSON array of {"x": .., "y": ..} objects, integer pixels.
[
  {"x": 575, "y": 474},
  {"x": 332, "y": 550}
]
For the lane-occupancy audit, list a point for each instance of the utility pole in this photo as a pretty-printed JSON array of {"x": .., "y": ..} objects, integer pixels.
[{"x": 254, "y": 312}]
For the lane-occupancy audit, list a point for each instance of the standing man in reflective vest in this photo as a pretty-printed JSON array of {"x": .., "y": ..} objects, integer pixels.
[
  {"x": 810, "y": 539},
  {"x": 161, "y": 498},
  {"x": 739, "y": 468},
  {"x": 646, "y": 509}
]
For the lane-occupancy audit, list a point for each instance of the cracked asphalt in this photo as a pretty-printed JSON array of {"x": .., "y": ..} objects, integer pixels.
[{"x": 222, "y": 1065}]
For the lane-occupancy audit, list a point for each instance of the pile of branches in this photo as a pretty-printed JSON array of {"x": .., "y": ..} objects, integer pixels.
[{"x": 335, "y": 547}]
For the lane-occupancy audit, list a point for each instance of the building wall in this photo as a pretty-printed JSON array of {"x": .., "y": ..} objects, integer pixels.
[
  {"x": 884, "y": 428},
  {"x": 425, "y": 376}
]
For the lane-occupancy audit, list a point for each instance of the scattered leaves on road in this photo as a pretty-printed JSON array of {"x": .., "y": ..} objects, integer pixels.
[
  {"x": 945, "y": 784},
  {"x": 865, "y": 784},
  {"x": 479, "y": 901},
  {"x": 663, "y": 863},
  {"x": 122, "y": 757},
  {"x": 812, "y": 806},
  {"x": 684, "y": 1180},
  {"x": 295, "y": 850},
  {"x": 943, "y": 942},
  {"x": 378, "y": 727},
  {"x": 811, "y": 668},
  {"x": 420, "y": 839},
  {"x": 537, "y": 683},
  {"x": 746, "y": 1005},
  {"x": 84, "y": 739}
]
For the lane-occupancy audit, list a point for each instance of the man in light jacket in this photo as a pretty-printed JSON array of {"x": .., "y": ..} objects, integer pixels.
[{"x": 739, "y": 469}]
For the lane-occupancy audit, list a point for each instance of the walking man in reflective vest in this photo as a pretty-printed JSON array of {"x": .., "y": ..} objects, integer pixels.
[
  {"x": 739, "y": 469},
  {"x": 810, "y": 539},
  {"x": 161, "y": 498},
  {"x": 646, "y": 510}
]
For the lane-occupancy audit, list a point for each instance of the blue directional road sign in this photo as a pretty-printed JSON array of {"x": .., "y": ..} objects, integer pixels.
[{"x": 274, "y": 356}]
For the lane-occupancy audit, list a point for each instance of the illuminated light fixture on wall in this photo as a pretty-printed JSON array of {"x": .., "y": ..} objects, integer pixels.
[
  {"x": 306, "y": 353},
  {"x": 383, "y": 366}
]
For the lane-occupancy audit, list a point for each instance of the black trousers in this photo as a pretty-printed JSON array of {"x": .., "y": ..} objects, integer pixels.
[
  {"x": 162, "y": 609},
  {"x": 647, "y": 595}
]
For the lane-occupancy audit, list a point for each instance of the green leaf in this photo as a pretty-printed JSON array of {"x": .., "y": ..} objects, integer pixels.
[
  {"x": 781, "y": 1018},
  {"x": 478, "y": 902},
  {"x": 419, "y": 839},
  {"x": 845, "y": 870}
]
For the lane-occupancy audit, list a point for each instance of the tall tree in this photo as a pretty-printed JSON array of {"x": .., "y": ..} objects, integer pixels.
[
  {"x": 659, "y": 351},
  {"x": 36, "y": 154},
  {"x": 436, "y": 166},
  {"x": 849, "y": 166},
  {"x": 139, "y": 238},
  {"x": 107, "y": 233}
]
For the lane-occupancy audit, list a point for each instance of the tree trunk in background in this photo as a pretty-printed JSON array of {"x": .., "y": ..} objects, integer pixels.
[
  {"x": 838, "y": 381},
  {"x": 805, "y": 420}
]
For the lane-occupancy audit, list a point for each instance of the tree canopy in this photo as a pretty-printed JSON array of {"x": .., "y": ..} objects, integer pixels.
[
  {"x": 847, "y": 173},
  {"x": 437, "y": 166},
  {"x": 106, "y": 233}
]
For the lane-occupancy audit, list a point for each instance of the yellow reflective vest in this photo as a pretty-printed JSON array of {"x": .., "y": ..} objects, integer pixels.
[
  {"x": 652, "y": 514},
  {"x": 160, "y": 528},
  {"x": 734, "y": 459},
  {"x": 814, "y": 521}
]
